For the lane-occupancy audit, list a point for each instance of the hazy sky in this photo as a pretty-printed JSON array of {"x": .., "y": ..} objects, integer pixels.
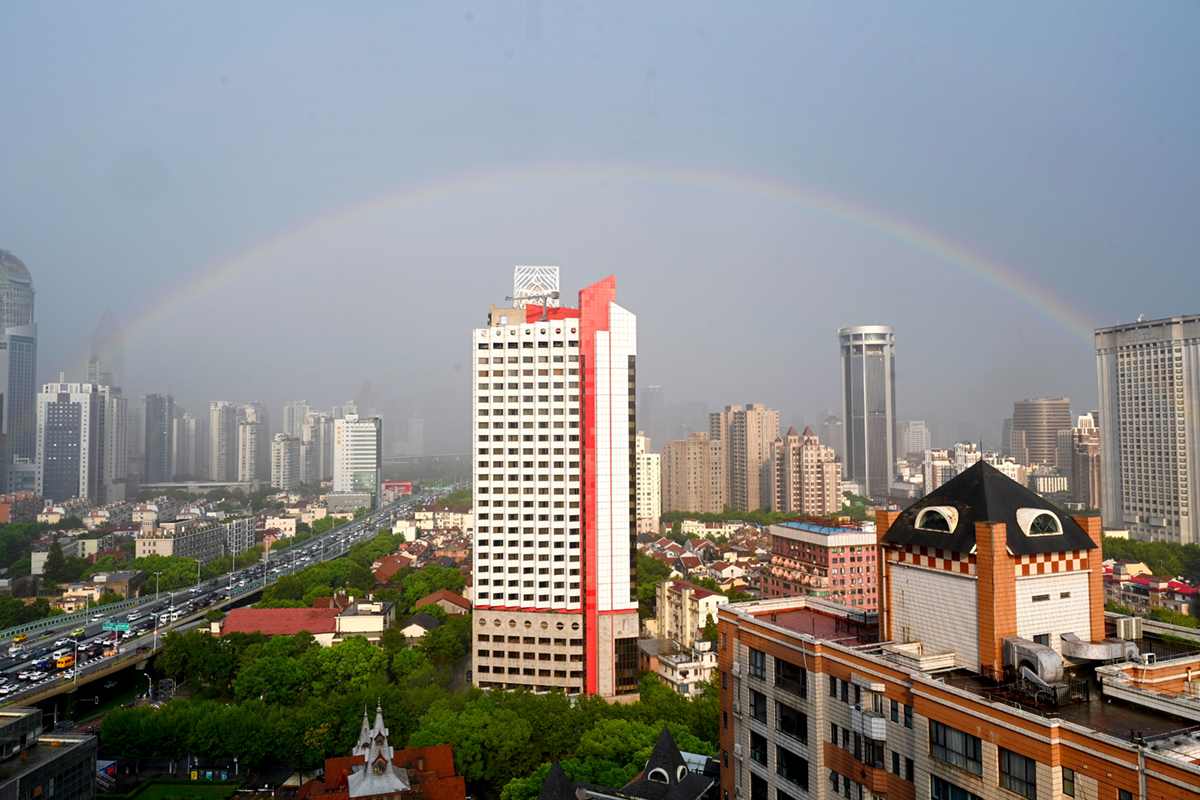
[{"x": 283, "y": 200}]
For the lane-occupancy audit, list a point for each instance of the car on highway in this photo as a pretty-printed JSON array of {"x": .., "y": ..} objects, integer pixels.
[
  {"x": 62, "y": 642},
  {"x": 78, "y": 632},
  {"x": 20, "y": 637},
  {"x": 26, "y": 675}
]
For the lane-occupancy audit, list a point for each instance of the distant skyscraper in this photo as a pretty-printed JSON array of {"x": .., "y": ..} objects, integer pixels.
[
  {"x": 1149, "y": 376},
  {"x": 652, "y": 416},
  {"x": 342, "y": 411},
  {"x": 1039, "y": 421},
  {"x": 223, "y": 438},
  {"x": 1006, "y": 438},
  {"x": 257, "y": 412},
  {"x": 749, "y": 436},
  {"x": 916, "y": 437},
  {"x": 295, "y": 414},
  {"x": 18, "y": 363},
  {"x": 107, "y": 363},
  {"x": 833, "y": 435},
  {"x": 357, "y": 454},
  {"x": 285, "y": 462},
  {"x": 191, "y": 446},
  {"x": 869, "y": 406},
  {"x": 316, "y": 448},
  {"x": 535, "y": 282},
  {"x": 694, "y": 474},
  {"x": 80, "y": 442},
  {"x": 158, "y": 415},
  {"x": 250, "y": 435},
  {"x": 416, "y": 436}
]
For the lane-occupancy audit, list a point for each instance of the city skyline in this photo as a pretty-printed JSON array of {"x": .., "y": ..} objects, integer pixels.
[{"x": 1018, "y": 169}]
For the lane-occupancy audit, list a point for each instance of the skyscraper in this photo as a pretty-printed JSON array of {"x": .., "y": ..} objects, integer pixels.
[
  {"x": 555, "y": 498},
  {"x": 316, "y": 449},
  {"x": 916, "y": 437},
  {"x": 1149, "y": 377},
  {"x": 748, "y": 436},
  {"x": 81, "y": 442},
  {"x": 223, "y": 439},
  {"x": 295, "y": 414},
  {"x": 18, "y": 362},
  {"x": 652, "y": 416},
  {"x": 358, "y": 455},
  {"x": 1035, "y": 426},
  {"x": 869, "y": 406},
  {"x": 107, "y": 363},
  {"x": 158, "y": 415},
  {"x": 191, "y": 446},
  {"x": 649, "y": 485},
  {"x": 285, "y": 462}
]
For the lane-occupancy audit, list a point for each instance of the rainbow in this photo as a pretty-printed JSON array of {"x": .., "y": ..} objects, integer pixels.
[{"x": 885, "y": 225}]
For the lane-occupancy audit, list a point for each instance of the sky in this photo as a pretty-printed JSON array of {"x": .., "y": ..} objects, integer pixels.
[{"x": 284, "y": 200}]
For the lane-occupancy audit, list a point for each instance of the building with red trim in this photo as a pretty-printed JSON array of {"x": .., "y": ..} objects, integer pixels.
[{"x": 555, "y": 518}]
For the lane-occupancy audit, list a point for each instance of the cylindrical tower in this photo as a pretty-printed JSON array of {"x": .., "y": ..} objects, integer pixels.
[{"x": 869, "y": 406}]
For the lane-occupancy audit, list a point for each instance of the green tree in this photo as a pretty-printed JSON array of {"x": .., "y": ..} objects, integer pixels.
[
  {"x": 56, "y": 562},
  {"x": 350, "y": 665},
  {"x": 710, "y": 629}
]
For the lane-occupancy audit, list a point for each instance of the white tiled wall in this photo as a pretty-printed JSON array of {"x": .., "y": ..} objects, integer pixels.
[
  {"x": 938, "y": 609},
  {"x": 1057, "y": 615}
]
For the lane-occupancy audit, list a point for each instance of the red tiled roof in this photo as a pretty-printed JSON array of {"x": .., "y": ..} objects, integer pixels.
[
  {"x": 280, "y": 621},
  {"x": 443, "y": 594},
  {"x": 389, "y": 566},
  {"x": 699, "y": 592}
]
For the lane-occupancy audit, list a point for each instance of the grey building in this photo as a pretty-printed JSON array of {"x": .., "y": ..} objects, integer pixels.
[
  {"x": 81, "y": 441},
  {"x": 37, "y": 764},
  {"x": 869, "y": 406},
  {"x": 158, "y": 416},
  {"x": 18, "y": 361},
  {"x": 199, "y": 539},
  {"x": 1149, "y": 383}
]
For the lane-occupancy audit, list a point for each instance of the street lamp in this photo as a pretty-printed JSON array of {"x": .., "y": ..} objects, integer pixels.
[{"x": 150, "y": 694}]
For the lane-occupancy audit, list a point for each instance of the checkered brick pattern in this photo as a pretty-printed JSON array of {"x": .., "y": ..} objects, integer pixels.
[
  {"x": 936, "y": 558},
  {"x": 1050, "y": 563}
]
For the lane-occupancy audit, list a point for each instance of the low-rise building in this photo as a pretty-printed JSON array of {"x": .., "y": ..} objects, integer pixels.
[
  {"x": 686, "y": 669},
  {"x": 35, "y": 763},
  {"x": 823, "y": 558},
  {"x": 683, "y": 609},
  {"x": 286, "y": 526},
  {"x": 369, "y": 618},
  {"x": 240, "y": 534},
  {"x": 201, "y": 539},
  {"x": 444, "y": 515},
  {"x": 126, "y": 582},
  {"x": 320, "y": 622},
  {"x": 419, "y": 624},
  {"x": 447, "y": 600},
  {"x": 20, "y": 507}
]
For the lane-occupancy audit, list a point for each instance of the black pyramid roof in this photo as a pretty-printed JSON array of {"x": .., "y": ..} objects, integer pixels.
[
  {"x": 557, "y": 785},
  {"x": 983, "y": 493}
]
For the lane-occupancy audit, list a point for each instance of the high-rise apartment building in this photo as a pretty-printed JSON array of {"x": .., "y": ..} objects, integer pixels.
[
  {"x": 1035, "y": 428},
  {"x": 555, "y": 476},
  {"x": 937, "y": 468},
  {"x": 358, "y": 455},
  {"x": 649, "y": 485},
  {"x": 749, "y": 436},
  {"x": 802, "y": 476},
  {"x": 869, "y": 406},
  {"x": 833, "y": 434},
  {"x": 158, "y": 416},
  {"x": 257, "y": 412},
  {"x": 191, "y": 446},
  {"x": 652, "y": 416},
  {"x": 285, "y": 462},
  {"x": 295, "y": 415},
  {"x": 917, "y": 437},
  {"x": 1149, "y": 376},
  {"x": 694, "y": 475},
  {"x": 18, "y": 362},
  {"x": 316, "y": 449},
  {"x": 223, "y": 441},
  {"x": 81, "y": 441},
  {"x": 250, "y": 433}
]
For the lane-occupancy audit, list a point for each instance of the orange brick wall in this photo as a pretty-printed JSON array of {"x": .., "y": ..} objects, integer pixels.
[
  {"x": 1096, "y": 579},
  {"x": 883, "y": 521},
  {"x": 997, "y": 592}
]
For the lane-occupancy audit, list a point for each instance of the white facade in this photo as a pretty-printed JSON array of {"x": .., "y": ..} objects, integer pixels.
[
  {"x": 533, "y": 281},
  {"x": 285, "y": 462},
  {"x": 1149, "y": 382},
  {"x": 295, "y": 415},
  {"x": 80, "y": 442},
  {"x": 248, "y": 450},
  {"x": 357, "y": 454},
  {"x": 917, "y": 438}
]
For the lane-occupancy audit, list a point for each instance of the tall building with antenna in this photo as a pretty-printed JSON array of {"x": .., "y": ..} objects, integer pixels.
[{"x": 555, "y": 476}]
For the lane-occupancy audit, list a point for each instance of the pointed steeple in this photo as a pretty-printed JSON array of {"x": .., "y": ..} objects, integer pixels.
[
  {"x": 666, "y": 756},
  {"x": 364, "y": 735},
  {"x": 808, "y": 431},
  {"x": 792, "y": 431}
]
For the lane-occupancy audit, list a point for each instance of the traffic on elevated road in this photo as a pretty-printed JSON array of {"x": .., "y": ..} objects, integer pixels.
[{"x": 53, "y": 657}]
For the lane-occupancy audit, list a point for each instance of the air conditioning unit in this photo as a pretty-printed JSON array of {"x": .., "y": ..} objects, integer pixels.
[
  {"x": 737, "y": 668},
  {"x": 1129, "y": 628},
  {"x": 737, "y": 750},
  {"x": 737, "y": 708}
]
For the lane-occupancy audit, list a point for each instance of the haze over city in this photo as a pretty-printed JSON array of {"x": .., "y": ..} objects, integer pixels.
[{"x": 283, "y": 200}]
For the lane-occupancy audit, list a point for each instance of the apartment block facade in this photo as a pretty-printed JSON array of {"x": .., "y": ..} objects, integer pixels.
[
  {"x": 836, "y": 562},
  {"x": 555, "y": 476},
  {"x": 649, "y": 485},
  {"x": 802, "y": 476},
  {"x": 694, "y": 475},
  {"x": 748, "y": 435}
]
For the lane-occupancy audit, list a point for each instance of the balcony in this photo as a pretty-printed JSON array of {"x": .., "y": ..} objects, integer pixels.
[
  {"x": 873, "y": 776},
  {"x": 869, "y": 724}
]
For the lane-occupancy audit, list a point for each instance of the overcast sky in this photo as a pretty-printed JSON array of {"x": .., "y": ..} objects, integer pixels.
[{"x": 282, "y": 200}]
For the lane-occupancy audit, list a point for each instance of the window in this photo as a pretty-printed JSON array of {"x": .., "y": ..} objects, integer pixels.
[
  {"x": 895, "y": 763},
  {"x": 724, "y": 680},
  {"x": 758, "y": 706},
  {"x": 833, "y": 732},
  {"x": 791, "y": 767},
  {"x": 758, "y": 748},
  {"x": 955, "y": 747},
  {"x": 944, "y": 790},
  {"x": 895, "y": 711},
  {"x": 1068, "y": 782},
  {"x": 723, "y": 642},
  {"x": 908, "y": 719},
  {"x": 1018, "y": 774},
  {"x": 908, "y": 770},
  {"x": 792, "y": 722},
  {"x": 832, "y": 686},
  {"x": 1124, "y": 794},
  {"x": 758, "y": 664},
  {"x": 943, "y": 519},
  {"x": 724, "y": 719},
  {"x": 845, "y": 691},
  {"x": 791, "y": 678},
  {"x": 758, "y": 787}
]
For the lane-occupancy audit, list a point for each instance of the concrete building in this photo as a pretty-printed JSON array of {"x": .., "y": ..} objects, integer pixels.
[
  {"x": 649, "y": 485},
  {"x": 295, "y": 416},
  {"x": 18, "y": 364},
  {"x": 316, "y": 448},
  {"x": 869, "y": 406},
  {"x": 249, "y": 450},
  {"x": 223, "y": 441},
  {"x": 937, "y": 468},
  {"x": 38, "y": 763},
  {"x": 802, "y": 476},
  {"x": 1035, "y": 428},
  {"x": 1149, "y": 382},
  {"x": 748, "y": 435},
  {"x": 694, "y": 475},
  {"x": 687, "y": 669},
  {"x": 835, "y": 562},
  {"x": 286, "y": 465},
  {"x": 20, "y": 507},
  {"x": 550, "y": 521},
  {"x": 81, "y": 442},
  {"x": 1019, "y": 692},
  {"x": 652, "y": 416},
  {"x": 917, "y": 438},
  {"x": 239, "y": 534},
  {"x": 191, "y": 446},
  {"x": 683, "y": 609},
  {"x": 358, "y": 455},
  {"x": 158, "y": 417},
  {"x": 199, "y": 539}
]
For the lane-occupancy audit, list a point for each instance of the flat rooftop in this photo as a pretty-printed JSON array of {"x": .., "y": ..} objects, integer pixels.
[{"x": 49, "y": 747}]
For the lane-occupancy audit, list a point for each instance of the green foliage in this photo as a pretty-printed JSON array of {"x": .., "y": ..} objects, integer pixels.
[
  {"x": 214, "y": 615},
  {"x": 710, "y": 629},
  {"x": 109, "y": 598},
  {"x": 1166, "y": 559},
  {"x": 1173, "y": 618},
  {"x": 1111, "y": 606},
  {"x": 592, "y": 770},
  {"x": 459, "y": 497},
  {"x": 56, "y": 563},
  {"x": 15, "y": 538},
  {"x": 14, "y": 612},
  {"x": 650, "y": 572},
  {"x": 448, "y": 643},
  {"x": 417, "y": 584}
]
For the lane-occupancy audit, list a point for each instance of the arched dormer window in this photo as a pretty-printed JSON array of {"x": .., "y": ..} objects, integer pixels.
[
  {"x": 942, "y": 519},
  {"x": 659, "y": 775},
  {"x": 680, "y": 773},
  {"x": 1038, "y": 522}
]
